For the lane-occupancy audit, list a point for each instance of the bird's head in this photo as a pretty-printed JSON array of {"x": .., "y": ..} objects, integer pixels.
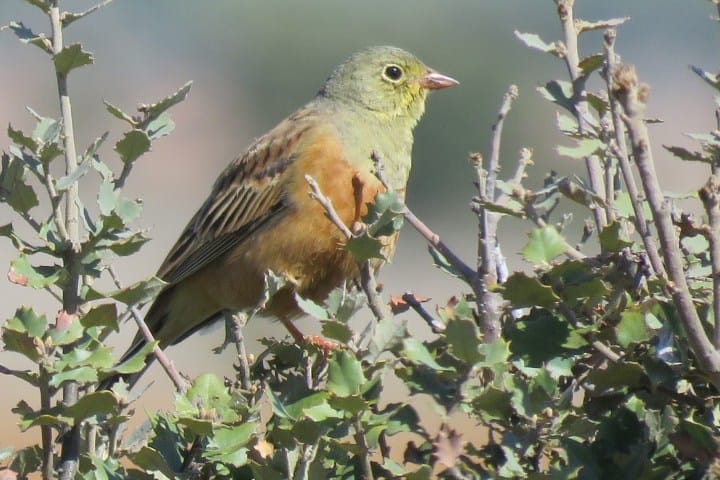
[{"x": 387, "y": 81}]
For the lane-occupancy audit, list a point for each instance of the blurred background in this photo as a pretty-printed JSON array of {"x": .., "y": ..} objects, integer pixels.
[{"x": 252, "y": 63}]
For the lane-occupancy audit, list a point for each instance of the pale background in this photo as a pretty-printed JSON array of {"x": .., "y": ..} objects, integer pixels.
[{"x": 252, "y": 63}]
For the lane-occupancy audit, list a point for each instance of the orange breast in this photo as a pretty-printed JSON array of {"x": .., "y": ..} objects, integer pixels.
[{"x": 304, "y": 245}]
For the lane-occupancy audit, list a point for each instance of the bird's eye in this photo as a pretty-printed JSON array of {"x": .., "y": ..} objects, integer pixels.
[{"x": 393, "y": 73}]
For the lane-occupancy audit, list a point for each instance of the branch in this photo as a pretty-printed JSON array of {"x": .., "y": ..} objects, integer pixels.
[
  {"x": 238, "y": 321},
  {"x": 619, "y": 149},
  {"x": 710, "y": 196},
  {"x": 433, "y": 323},
  {"x": 367, "y": 276},
  {"x": 181, "y": 385},
  {"x": 572, "y": 61},
  {"x": 633, "y": 98},
  {"x": 71, "y": 291}
]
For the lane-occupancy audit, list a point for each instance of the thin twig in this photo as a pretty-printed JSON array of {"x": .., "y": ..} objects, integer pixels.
[
  {"x": 486, "y": 189},
  {"x": 633, "y": 98},
  {"x": 433, "y": 323},
  {"x": 710, "y": 196},
  {"x": 327, "y": 205},
  {"x": 620, "y": 150},
  {"x": 181, "y": 385},
  {"x": 572, "y": 60},
  {"x": 55, "y": 201},
  {"x": 367, "y": 276},
  {"x": 78, "y": 16},
  {"x": 46, "y": 433},
  {"x": 70, "y": 455},
  {"x": 238, "y": 322},
  {"x": 361, "y": 442}
]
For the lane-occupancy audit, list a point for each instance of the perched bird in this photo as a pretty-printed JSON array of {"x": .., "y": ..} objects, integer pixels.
[{"x": 259, "y": 215}]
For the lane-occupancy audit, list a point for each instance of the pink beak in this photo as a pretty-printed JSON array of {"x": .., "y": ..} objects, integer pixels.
[{"x": 434, "y": 80}]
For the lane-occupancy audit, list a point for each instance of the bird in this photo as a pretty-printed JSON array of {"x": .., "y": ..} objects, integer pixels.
[{"x": 259, "y": 215}]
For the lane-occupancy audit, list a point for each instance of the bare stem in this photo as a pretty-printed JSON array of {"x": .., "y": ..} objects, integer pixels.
[
  {"x": 361, "y": 442},
  {"x": 620, "y": 150},
  {"x": 710, "y": 196},
  {"x": 46, "y": 430},
  {"x": 239, "y": 320},
  {"x": 71, "y": 291},
  {"x": 181, "y": 385},
  {"x": 433, "y": 323},
  {"x": 367, "y": 276},
  {"x": 572, "y": 61},
  {"x": 633, "y": 98}
]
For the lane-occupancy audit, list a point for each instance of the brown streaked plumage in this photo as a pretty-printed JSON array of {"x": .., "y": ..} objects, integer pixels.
[{"x": 259, "y": 215}]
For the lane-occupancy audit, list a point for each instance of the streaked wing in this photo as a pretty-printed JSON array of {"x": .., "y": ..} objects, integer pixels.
[{"x": 247, "y": 196}]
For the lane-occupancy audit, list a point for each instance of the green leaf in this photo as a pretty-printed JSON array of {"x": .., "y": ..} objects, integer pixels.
[
  {"x": 710, "y": 79},
  {"x": 612, "y": 238},
  {"x": 107, "y": 198},
  {"x": 28, "y": 36},
  {"x": 65, "y": 182},
  {"x": 139, "y": 292},
  {"x": 128, "y": 210},
  {"x": 617, "y": 376},
  {"x": 544, "y": 245},
  {"x": 560, "y": 93},
  {"x": 632, "y": 328},
  {"x": 227, "y": 444},
  {"x": 364, "y": 247},
  {"x": 160, "y": 127},
  {"x": 532, "y": 40},
  {"x": 539, "y": 337},
  {"x": 135, "y": 363},
  {"x": 493, "y": 403},
  {"x": 20, "y": 332},
  {"x": 692, "y": 156},
  {"x": 80, "y": 375},
  {"x": 463, "y": 336},
  {"x": 591, "y": 63},
  {"x": 21, "y": 139},
  {"x": 415, "y": 351},
  {"x": 133, "y": 144},
  {"x": 70, "y": 57},
  {"x": 584, "y": 148},
  {"x": 312, "y": 308},
  {"x": 345, "y": 375},
  {"x": 117, "y": 113},
  {"x": 91, "y": 404},
  {"x": 336, "y": 331},
  {"x": 153, "y": 111},
  {"x": 23, "y": 273},
  {"x": 13, "y": 189},
  {"x": 523, "y": 291}
]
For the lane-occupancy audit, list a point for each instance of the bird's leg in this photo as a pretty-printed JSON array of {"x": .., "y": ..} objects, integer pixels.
[{"x": 323, "y": 344}]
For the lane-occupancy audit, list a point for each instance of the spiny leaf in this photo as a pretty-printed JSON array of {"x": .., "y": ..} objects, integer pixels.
[
  {"x": 118, "y": 113},
  {"x": 584, "y": 148},
  {"x": 685, "y": 154},
  {"x": 533, "y": 40},
  {"x": 28, "y": 36},
  {"x": 711, "y": 79},
  {"x": 544, "y": 245},
  {"x": 154, "y": 110},
  {"x": 13, "y": 188},
  {"x": 133, "y": 144},
  {"x": 345, "y": 375},
  {"x": 70, "y": 57},
  {"x": 524, "y": 291},
  {"x": 140, "y": 292}
]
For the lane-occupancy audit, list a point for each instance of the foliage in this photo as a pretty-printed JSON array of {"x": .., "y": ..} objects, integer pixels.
[{"x": 597, "y": 371}]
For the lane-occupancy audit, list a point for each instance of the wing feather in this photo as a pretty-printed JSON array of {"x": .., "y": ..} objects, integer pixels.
[{"x": 247, "y": 197}]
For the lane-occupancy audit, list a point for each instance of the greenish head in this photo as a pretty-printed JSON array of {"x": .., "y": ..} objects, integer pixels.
[{"x": 386, "y": 80}]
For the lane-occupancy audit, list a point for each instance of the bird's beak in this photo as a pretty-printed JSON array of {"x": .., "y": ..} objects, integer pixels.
[{"x": 434, "y": 80}]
